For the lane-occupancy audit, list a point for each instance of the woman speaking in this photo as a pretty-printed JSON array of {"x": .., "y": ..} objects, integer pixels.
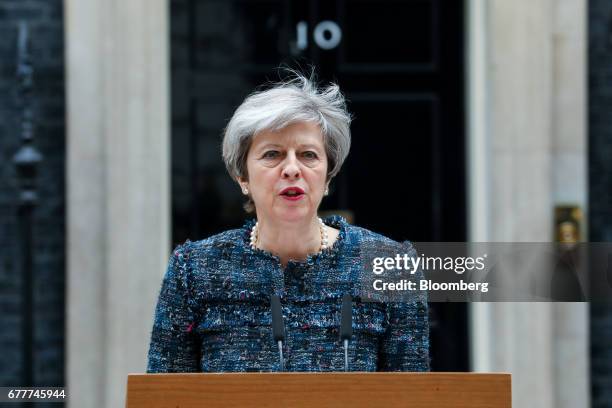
[{"x": 283, "y": 146}]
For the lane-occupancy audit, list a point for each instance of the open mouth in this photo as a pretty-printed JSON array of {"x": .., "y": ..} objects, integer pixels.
[{"x": 292, "y": 193}]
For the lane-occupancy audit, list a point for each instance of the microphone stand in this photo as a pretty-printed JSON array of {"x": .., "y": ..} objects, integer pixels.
[
  {"x": 346, "y": 325},
  {"x": 278, "y": 328}
]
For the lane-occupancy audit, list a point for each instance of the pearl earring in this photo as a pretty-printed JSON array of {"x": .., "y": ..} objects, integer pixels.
[
  {"x": 245, "y": 190},
  {"x": 326, "y": 191}
]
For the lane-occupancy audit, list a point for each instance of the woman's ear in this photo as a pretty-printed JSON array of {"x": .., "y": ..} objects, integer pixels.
[{"x": 244, "y": 185}]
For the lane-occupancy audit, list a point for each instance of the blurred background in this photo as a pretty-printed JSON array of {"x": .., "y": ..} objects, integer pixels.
[{"x": 475, "y": 120}]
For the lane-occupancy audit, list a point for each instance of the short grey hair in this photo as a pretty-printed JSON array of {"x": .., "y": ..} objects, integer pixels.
[{"x": 298, "y": 99}]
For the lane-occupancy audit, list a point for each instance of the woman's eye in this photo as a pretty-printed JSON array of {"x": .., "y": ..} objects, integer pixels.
[
  {"x": 309, "y": 155},
  {"x": 270, "y": 154}
]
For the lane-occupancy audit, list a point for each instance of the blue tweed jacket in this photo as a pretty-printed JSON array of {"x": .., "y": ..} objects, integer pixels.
[{"x": 213, "y": 312}]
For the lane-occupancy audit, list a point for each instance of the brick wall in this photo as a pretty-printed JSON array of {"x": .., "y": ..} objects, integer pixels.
[
  {"x": 600, "y": 185},
  {"x": 45, "y": 21}
]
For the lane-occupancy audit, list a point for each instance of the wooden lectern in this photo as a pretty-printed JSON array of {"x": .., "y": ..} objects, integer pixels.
[{"x": 355, "y": 390}]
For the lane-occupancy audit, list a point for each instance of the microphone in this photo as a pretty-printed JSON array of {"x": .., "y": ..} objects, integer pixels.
[
  {"x": 278, "y": 328},
  {"x": 346, "y": 325}
]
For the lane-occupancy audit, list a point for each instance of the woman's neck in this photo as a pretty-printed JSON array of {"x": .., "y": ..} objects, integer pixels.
[{"x": 289, "y": 241}]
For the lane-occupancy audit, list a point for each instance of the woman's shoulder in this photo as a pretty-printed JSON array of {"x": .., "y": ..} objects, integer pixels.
[
  {"x": 365, "y": 237},
  {"x": 230, "y": 237},
  {"x": 353, "y": 232},
  {"x": 364, "y": 234},
  {"x": 214, "y": 246},
  {"x": 361, "y": 245}
]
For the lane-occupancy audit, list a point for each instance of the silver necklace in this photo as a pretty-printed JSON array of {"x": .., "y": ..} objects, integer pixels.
[{"x": 322, "y": 227}]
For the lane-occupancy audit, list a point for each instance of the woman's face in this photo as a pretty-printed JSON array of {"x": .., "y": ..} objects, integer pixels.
[{"x": 287, "y": 172}]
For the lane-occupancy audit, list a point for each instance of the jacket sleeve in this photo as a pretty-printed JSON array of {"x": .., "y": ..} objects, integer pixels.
[
  {"x": 405, "y": 343},
  {"x": 174, "y": 346}
]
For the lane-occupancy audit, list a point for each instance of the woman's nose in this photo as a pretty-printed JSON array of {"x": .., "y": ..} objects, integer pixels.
[{"x": 291, "y": 168}]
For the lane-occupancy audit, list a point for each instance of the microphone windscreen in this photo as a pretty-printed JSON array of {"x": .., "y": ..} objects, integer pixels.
[
  {"x": 346, "y": 318},
  {"x": 278, "y": 328}
]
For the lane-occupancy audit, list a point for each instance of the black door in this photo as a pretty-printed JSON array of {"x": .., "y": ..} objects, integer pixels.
[{"x": 401, "y": 66}]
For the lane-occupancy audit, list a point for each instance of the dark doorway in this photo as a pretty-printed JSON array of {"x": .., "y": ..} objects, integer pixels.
[{"x": 401, "y": 66}]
